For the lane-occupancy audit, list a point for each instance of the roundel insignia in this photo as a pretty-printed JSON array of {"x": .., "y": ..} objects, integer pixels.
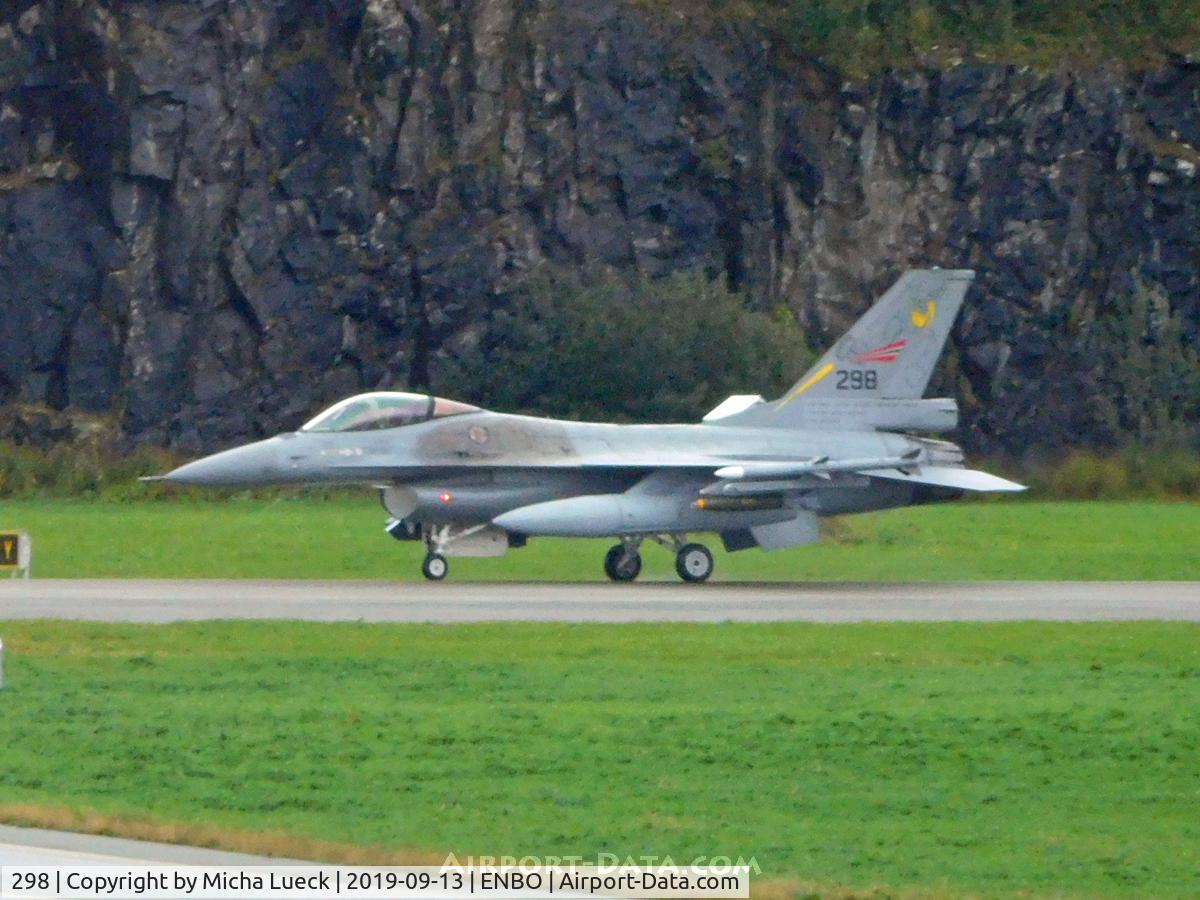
[{"x": 478, "y": 434}]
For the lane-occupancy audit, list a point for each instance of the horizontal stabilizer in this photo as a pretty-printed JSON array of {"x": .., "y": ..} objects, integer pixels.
[
  {"x": 731, "y": 406},
  {"x": 939, "y": 476}
]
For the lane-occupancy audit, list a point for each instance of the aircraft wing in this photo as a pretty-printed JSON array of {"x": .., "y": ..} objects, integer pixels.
[
  {"x": 756, "y": 478},
  {"x": 733, "y": 476},
  {"x": 949, "y": 477}
]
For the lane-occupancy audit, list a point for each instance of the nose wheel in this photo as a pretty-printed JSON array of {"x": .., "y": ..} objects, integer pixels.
[
  {"x": 622, "y": 563},
  {"x": 435, "y": 567},
  {"x": 693, "y": 562}
]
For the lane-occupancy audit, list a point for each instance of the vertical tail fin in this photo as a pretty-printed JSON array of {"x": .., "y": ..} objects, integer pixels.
[{"x": 888, "y": 354}]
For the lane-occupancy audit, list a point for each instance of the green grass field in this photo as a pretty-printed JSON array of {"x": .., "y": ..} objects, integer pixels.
[
  {"x": 344, "y": 538},
  {"x": 1051, "y": 759}
]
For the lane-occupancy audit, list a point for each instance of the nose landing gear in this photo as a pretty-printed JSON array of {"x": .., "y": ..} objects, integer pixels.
[
  {"x": 438, "y": 539},
  {"x": 435, "y": 566}
]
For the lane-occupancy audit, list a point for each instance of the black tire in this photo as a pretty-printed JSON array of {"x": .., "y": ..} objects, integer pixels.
[
  {"x": 435, "y": 567},
  {"x": 622, "y": 566},
  {"x": 693, "y": 562}
]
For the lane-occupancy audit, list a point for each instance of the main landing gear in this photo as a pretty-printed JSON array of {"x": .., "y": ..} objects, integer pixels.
[
  {"x": 693, "y": 562},
  {"x": 623, "y": 562}
]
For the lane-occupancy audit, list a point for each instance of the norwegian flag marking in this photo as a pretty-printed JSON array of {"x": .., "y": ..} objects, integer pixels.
[{"x": 886, "y": 353}]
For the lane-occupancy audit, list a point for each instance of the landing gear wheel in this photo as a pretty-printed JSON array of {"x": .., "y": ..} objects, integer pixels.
[
  {"x": 621, "y": 564},
  {"x": 693, "y": 562},
  {"x": 435, "y": 567}
]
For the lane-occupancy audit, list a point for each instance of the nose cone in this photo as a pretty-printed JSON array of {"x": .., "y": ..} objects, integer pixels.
[{"x": 253, "y": 464}]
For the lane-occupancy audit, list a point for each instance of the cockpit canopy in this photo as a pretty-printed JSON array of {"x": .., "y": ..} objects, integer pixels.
[{"x": 384, "y": 409}]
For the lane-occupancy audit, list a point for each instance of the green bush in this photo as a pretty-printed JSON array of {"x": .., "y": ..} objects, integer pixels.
[
  {"x": 98, "y": 469},
  {"x": 1134, "y": 472},
  {"x": 81, "y": 468},
  {"x": 1083, "y": 476},
  {"x": 606, "y": 346}
]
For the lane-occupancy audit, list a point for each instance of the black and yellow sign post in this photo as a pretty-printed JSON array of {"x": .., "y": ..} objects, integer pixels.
[{"x": 16, "y": 553}]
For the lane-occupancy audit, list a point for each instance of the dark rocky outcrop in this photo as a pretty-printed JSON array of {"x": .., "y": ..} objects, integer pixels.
[{"x": 216, "y": 216}]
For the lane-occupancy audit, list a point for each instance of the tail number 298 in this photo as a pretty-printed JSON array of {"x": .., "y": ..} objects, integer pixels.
[{"x": 857, "y": 380}]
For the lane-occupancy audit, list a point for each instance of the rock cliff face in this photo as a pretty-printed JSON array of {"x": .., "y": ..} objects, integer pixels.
[{"x": 217, "y": 215}]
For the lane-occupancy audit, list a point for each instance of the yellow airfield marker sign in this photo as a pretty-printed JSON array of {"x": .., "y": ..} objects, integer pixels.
[{"x": 16, "y": 553}]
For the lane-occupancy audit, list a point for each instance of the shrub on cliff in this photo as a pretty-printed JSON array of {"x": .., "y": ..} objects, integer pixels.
[
  {"x": 82, "y": 469},
  {"x": 608, "y": 346},
  {"x": 1133, "y": 473},
  {"x": 1147, "y": 385},
  {"x": 866, "y": 35}
]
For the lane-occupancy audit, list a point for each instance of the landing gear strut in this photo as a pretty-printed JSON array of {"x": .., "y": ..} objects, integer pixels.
[{"x": 437, "y": 538}]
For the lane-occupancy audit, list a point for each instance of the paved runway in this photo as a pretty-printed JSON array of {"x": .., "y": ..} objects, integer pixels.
[
  {"x": 376, "y": 601},
  {"x": 35, "y": 847}
]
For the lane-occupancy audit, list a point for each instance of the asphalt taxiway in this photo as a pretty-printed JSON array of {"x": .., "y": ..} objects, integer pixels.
[{"x": 446, "y": 602}]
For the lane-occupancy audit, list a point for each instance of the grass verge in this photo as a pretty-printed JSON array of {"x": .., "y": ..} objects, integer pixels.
[
  {"x": 935, "y": 759},
  {"x": 343, "y": 538}
]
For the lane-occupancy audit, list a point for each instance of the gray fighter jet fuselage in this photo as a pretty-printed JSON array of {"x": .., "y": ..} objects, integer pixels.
[{"x": 468, "y": 481}]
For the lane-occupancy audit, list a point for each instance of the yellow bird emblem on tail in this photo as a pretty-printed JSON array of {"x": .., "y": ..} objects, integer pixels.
[{"x": 922, "y": 319}]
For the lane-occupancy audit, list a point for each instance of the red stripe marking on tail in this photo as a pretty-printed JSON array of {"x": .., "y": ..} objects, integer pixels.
[{"x": 886, "y": 353}]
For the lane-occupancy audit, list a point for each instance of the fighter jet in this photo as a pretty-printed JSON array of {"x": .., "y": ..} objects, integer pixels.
[{"x": 849, "y": 437}]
